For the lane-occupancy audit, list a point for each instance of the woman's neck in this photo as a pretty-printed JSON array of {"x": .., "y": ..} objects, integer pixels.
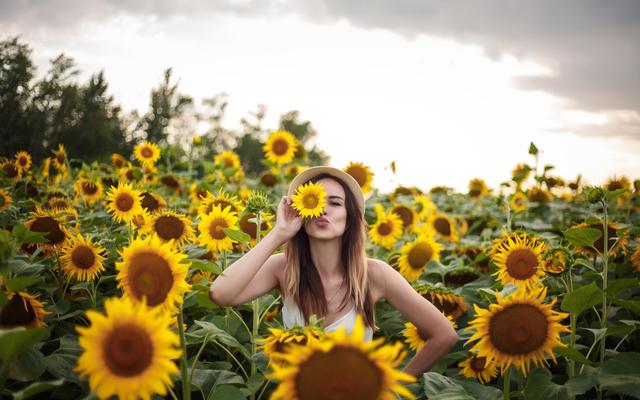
[{"x": 325, "y": 255}]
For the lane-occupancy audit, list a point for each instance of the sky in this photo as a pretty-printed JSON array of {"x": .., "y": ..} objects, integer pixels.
[{"x": 450, "y": 91}]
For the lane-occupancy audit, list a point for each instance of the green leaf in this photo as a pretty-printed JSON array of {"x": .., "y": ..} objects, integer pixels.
[
  {"x": 615, "y": 193},
  {"x": 226, "y": 392},
  {"x": 621, "y": 374},
  {"x": 586, "y": 263},
  {"x": 540, "y": 387},
  {"x": 214, "y": 333},
  {"x": 62, "y": 362},
  {"x": 206, "y": 266},
  {"x": 582, "y": 299},
  {"x": 37, "y": 388},
  {"x": 618, "y": 285},
  {"x": 237, "y": 235},
  {"x": 207, "y": 379},
  {"x": 533, "y": 150},
  {"x": 632, "y": 305},
  {"x": 581, "y": 383},
  {"x": 582, "y": 236},
  {"x": 440, "y": 387},
  {"x": 18, "y": 340},
  {"x": 27, "y": 366},
  {"x": 572, "y": 354},
  {"x": 24, "y": 235},
  {"x": 15, "y": 284}
]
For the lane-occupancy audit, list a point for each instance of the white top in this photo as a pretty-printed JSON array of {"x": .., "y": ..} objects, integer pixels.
[{"x": 291, "y": 316}]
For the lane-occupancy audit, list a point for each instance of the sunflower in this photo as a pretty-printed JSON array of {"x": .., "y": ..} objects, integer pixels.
[
  {"x": 172, "y": 183},
  {"x": 616, "y": 183},
  {"x": 23, "y": 160},
  {"x": 554, "y": 261},
  {"x": 387, "y": 229},
  {"x": 482, "y": 368},
  {"x": 81, "y": 259},
  {"x": 211, "y": 228},
  {"x": 222, "y": 200},
  {"x": 616, "y": 243},
  {"x": 444, "y": 299},
  {"x": 294, "y": 169},
  {"x": 416, "y": 255},
  {"x": 54, "y": 232},
  {"x": 169, "y": 225},
  {"x": 423, "y": 206},
  {"x": 280, "y": 147},
  {"x": 198, "y": 192},
  {"x": 519, "y": 261},
  {"x": 520, "y": 329},
  {"x": 154, "y": 271},
  {"x": 520, "y": 173},
  {"x": 117, "y": 160},
  {"x": 309, "y": 200},
  {"x": 5, "y": 200},
  {"x": 59, "y": 158},
  {"x": 269, "y": 179},
  {"x": 130, "y": 173},
  {"x": 227, "y": 159},
  {"x": 90, "y": 191},
  {"x": 342, "y": 366},
  {"x": 517, "y": 202},
  {"x": 199, "y": 276},
  {"x": 129, "y": 351},
  {"x": 538, "y": 195},
  {"x": 445, "y": 228},
  {"x": 461, "y": 275},
  {"x": 477, "y": 188},
  {"x": 140, "y": 221},
  {"x": 279, "y": 339},
  {"x": 59, "y": 203},
  {"x": 22, "y": 309},
  {"x": 152, "y": 202},
  {"x": 271, "y": 315},
  {"x": 407, "y": 215},
  {"x": 635, "y": 259},
  {"x": 147, "y": 152},
  {"x": 413, "y": 338},
  {"x": 362, "y": 174},
  {"x": 503, "y": 240},
  {"x": 124, "y": 202},
  {"x": 11, "y": 170}
]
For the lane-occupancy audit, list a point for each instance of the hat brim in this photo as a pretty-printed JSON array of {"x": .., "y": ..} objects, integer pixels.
[{"x": 312, "y": 172}]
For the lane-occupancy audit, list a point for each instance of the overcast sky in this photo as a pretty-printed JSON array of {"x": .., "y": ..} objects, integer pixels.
[{"x": 449, "y": 90}]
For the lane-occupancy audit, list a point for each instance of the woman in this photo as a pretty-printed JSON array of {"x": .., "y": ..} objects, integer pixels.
[{"x": 325, "y": 271}]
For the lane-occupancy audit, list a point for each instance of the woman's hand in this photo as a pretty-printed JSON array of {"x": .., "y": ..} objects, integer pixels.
[{"x": 288, "y": 221}]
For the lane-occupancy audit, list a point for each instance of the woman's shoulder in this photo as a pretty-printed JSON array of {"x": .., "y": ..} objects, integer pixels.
[{"x": 377, "y": 271}]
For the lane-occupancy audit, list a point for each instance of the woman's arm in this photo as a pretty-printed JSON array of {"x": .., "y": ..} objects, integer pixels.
[
  {"x": 432, "y": 325},
  {"x": 255, "y": 273}
]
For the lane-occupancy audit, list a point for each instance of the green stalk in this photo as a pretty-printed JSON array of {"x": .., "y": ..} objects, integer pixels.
[
  {"x": 572, "y": 319},
  {"x": 506, "y": 381},
  {"x": 186, "y": 384},
  {"x": 605, "y": 273},
  {"x": 256, "y": 311}
]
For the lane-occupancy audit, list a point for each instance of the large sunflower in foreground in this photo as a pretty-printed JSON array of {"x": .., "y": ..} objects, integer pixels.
[
  {"x": 169, "y": 225},
  {"x": 22, "y": 309},
  {"x": 342, "y": 366},
  {"x": 387, "y": 229},
  {"x": 413, "y": 338},
  {"x": 279, "y": 339},
  {"x": 5, "y": 200},
  {"x": 309, "y": 200},
  {"x": 124, "y": 202},
  {"x": 479, "y": 367},
  {"x": 46, "y": 223},
  {"x": 280, "y": 147},
  {"x": 416, "y": 255},
  {"x": 153, "y": 271},
  {"x": 519, "y": 330},
  {"x": 211, "y": 227},
  {"x": 147, "y": 152},
  {"x": 128, "y": 352},
  {"x": 520, "y": 261},
  {"x": 361, "y": 173},
  {"x": 81, "y": 259}
]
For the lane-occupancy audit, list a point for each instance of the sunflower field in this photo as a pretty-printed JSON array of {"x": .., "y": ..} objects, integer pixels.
[{"x": 105, "y": 272}]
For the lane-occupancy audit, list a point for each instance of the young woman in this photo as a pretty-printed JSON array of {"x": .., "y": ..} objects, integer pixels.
[{"x": 325, "y": 271}]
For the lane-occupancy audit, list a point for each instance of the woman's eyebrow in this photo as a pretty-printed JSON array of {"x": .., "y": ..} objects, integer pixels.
[{"x": 335, "y": 197}]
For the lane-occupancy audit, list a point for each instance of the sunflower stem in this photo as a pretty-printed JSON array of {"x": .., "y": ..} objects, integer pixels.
[
  {"x": 244, "y": 372},
  {"x": 506, "y": 202},
  {"x": 256, "y": 311},
  {"x": 572, "y": 318},
  {"x": 605, "y": 273},
  {"x": 195, "y": 360},
  {"x": 186, "y": 384},
  {"x": 506, "y": 381},
  {"x": 173, "y": 395}
]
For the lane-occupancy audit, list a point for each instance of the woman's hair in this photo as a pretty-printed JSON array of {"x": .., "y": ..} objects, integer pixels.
[{"x": 302, "y": 280}]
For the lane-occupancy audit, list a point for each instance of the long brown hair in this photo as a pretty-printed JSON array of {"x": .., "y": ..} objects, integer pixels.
[{"x": 301, "y": 278}]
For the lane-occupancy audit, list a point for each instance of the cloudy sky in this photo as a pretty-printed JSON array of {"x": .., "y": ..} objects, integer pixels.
[{"x": 449, "y": 90}]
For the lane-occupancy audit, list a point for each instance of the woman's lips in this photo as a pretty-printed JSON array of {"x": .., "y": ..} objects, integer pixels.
[{"x": 322, "y": 221}]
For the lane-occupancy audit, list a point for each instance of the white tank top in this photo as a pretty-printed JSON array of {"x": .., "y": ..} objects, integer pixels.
[{"x": 291, "y": 315}]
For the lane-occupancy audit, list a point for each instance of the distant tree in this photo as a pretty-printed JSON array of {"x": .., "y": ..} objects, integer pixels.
[{"x": 305, "y": 133}]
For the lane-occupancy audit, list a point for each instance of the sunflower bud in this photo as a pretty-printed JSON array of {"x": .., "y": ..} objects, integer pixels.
[
  {"x": 257, "y": 201},
  {"x": 594, "y": 194}
]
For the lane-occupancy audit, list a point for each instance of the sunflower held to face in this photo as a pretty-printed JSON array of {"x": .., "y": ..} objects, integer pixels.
[
  {"x": 170, "y": 226},
  {"x": 211, "y": 227},
  {"x": 153, "y": 272},
  {"x": 387, "y": 230},
  {"x": 129, "y": 351},
  {"x": 362, "y": 174},
  {"x": 22, "y": 310},
  {"x": 416, "y": 255},
  {"x": 81, "y": 259},
  {"x": 520, "y": 261},
  {"x": 124, "y": 202},
  {"x": 340, "y": 365},
  {"x": 147, "y": 153},
  {"x": 481, "y": 368},
  {"x": 280, "y": 147},
  {"x": 309, "y": 200}
]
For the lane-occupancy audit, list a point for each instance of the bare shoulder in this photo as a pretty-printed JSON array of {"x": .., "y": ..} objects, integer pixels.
[
  {"x": 378, "y": 271},
  {"x": 275, "y": 264}
]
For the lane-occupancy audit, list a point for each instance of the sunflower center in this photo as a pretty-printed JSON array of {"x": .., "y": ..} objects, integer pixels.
[
  {"x": 405, "y": 215},
  {"x": 420, "y": 255},
  {"x": 341, "y": 373},
  {"x": 150, "y": 275},
  {"x": 149, "y": 202},
  {"x": 124, "y": 202},
  {"x": 170, "y": 181},
  {"x": 127, "y": 350},
  {"x": 359, "y": 174},
  {"x": 615, "y": 185},
  {"x": 47, "y": 224},
  {"x": 443, "y": 226},
  {"x": 228, "y": 162},
  {"x": 478, "y": 363},
  {"x": 17, "y": 312},
  {"x": 519, "y": 329},
  {"x": 250, "y": 227},
  {"x": 60, "y": 157},
  {"x": 215, "y": 228},
  {"x": 310, "y": 201},
  {"x": 522, "y": 264},
  {"x": 22, "y": 161},
  {"x": 83, "y": 257},
  {"x": 89, "y": 188},
  {"x": 169, "y": 227},
  {"x": 146, "y": 152},
  {"x": 385, "y": 228},
  {"x": 10, "y": 169},
  {"x": 280, "y": 147}
]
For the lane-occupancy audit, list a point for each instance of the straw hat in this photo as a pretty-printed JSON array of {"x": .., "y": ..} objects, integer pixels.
[{"x": 309, "y": 173}]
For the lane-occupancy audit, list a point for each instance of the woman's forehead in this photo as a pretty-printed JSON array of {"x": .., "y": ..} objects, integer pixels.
[{"x": 332, "y": 187}]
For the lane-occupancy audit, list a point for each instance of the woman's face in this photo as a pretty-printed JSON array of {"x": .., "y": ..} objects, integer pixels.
[{"x": 333, "y": 222}]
